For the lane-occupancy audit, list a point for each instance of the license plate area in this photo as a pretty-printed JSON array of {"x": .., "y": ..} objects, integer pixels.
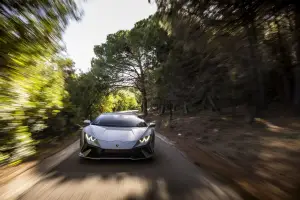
[
  {"x": 112, "y": 151},
  {"x": 116, "y": 151}
]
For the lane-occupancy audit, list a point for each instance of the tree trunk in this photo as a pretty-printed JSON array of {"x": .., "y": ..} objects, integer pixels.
[
  {"x": 286, "y": 64},
  {"x": 203, "y": 104},
  {"x": 256, "y": 76},
  {"x": 185, "y": 108},
  {"x": 297, "y": 67},
  {"x": 250, "y": 115},
  {"x": 144, "y": 102},
  {"x": 287, "y": 89},
  {"x": 162, "y": 109},
  {"x": 143, "y": 90},
  {"x": 213, "y": 105},
  {"x": 171, "y": 111},
  {"x": 251, "y": 108}
]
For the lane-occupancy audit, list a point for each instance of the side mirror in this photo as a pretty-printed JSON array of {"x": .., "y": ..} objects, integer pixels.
[
  {"x": 87, "y": 122},
  {"x": 152, "y": 125}
]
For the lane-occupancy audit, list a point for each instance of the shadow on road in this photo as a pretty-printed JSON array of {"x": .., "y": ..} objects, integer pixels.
[{"x": 169, "y": 176}]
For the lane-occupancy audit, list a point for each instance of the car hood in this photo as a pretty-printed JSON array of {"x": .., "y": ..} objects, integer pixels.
[{"x": 116, "y": 133}]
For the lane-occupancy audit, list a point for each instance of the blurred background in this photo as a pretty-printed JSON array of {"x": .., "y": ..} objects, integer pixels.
[
  {"x": 42, "y": 98},
  {"x": 237, "y": 60}
]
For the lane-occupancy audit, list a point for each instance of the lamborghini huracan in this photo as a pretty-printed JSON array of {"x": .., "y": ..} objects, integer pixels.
[{"x": 117, "y": 136}]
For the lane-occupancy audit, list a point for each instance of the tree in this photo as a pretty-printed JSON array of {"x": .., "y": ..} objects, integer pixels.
[
  {"x": 241, "y": 51},
  {"x": 118, "y": 100},
  {"x": 32, "y": 28},
  {"x": 129, "y": 57},
  {"x": 85, "y": 92},
  {"x": 32, "y": 77}
]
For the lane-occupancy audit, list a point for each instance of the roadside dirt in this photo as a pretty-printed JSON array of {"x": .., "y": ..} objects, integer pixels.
[
  {"x": 262, "y": 159},
  {"x": 45, "y": 150}
]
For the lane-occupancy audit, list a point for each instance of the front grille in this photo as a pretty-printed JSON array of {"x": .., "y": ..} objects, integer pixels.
[
  {"x": 115, "y": 153},
  {"x": 135, "y": 153}
]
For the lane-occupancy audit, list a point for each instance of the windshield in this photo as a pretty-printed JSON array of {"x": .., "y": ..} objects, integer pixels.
[{"x": 119, "y": 121}]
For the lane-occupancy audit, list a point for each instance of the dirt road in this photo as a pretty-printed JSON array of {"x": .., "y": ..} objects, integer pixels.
[{"x": 169, "y": 176}]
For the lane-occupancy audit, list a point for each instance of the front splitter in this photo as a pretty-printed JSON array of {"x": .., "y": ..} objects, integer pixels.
[{"x": 113, "y": 158}]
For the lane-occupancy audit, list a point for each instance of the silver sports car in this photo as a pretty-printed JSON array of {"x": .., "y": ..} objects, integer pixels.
[{"x": 117, "y": 136}]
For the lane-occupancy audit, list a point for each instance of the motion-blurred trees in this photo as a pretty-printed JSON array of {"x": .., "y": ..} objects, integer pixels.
[
  {"x": 190, "y": 54},
  {"x": 32, "y": 75},
  {"x": 228, "y": 53},
  {"x": 32, "y": 28}
]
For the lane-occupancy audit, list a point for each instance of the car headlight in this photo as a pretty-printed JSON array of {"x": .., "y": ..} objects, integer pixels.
[
  {"x": 90, "y": 138},
  {"x": 145, "y": 139}
]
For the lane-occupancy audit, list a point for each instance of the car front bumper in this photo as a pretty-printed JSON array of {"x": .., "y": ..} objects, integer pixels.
[{"x": 97, "y": 153}]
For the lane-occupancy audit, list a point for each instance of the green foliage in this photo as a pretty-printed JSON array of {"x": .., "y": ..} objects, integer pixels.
[
  {"x": 31, "y": 100},
  {"x": 129, "y": 57},
  {"x": 85, "y": 91},
  {"x": 32, "y": 28},
  {"x": 118, "y": 101},
  {"x": 236, "y": 52},
  {"x": 32, "y": 76}
]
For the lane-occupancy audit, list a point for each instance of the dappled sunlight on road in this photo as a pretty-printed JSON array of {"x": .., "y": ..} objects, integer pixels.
[
  {"x": 214, "y": 191},
  {"x": 124, "y": 186},
  {"x": 275, "y": 168},
  {"x": 274, "y": 128},
  {"x": 170, "y": 176}
]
